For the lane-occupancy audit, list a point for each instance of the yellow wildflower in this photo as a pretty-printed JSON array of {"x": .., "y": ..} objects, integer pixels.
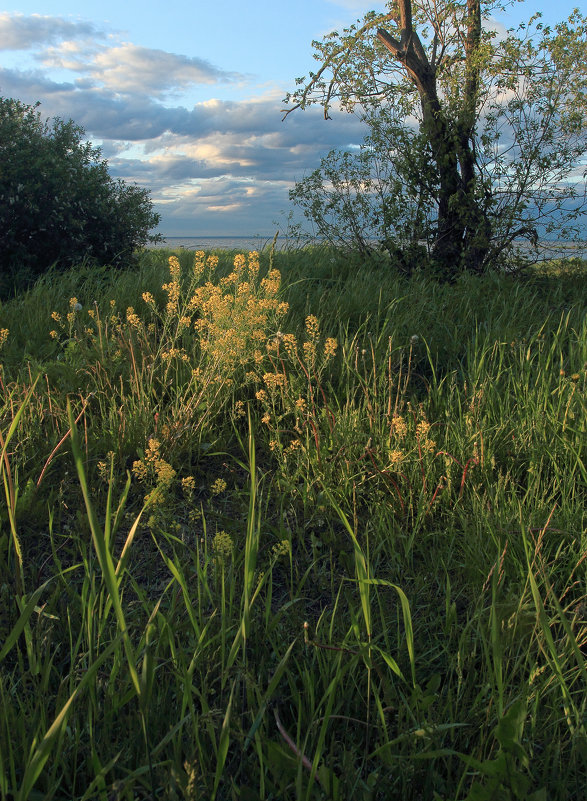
[
  {"x": 165, "y": 472},
  {"x": 174, "y": 268},
  {"x": 422, "y": 429},
  {"x": 289, "y": 343},
  {"x": 282, "y": 548},
  {"x": 330, "y": 347},
  {"x": 312, "y": 326},
  {"x": 309, "y": 352},
  {"x": 152, "y": 450},
  {"x": 139, "y": 469},
  {"x": 132, "y": 318},
  {"x": 395, "y": 457},
  {"x": 274, "y": 380},
  {"x": 188, "y": 484},
  {"x": 222, "y": 545},
  {"x": 218, "y": 486},
  {"x": 399, "y": 426}
]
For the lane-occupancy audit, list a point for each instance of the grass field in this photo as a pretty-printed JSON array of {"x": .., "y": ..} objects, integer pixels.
[{"x": 293, "y": 527}]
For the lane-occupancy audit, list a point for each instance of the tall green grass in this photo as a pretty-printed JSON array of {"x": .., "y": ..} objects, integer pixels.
[{"x": 329, "y": 549}]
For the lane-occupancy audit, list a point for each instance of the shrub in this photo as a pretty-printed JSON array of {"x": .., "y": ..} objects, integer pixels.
[{"x": 58, "y": 203}]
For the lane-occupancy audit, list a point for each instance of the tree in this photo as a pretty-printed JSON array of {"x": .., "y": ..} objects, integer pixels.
[
  {"x": 485, "y": 134},
  {"x": 58, "y": 203}
]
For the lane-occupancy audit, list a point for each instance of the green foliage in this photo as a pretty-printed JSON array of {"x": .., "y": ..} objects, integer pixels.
[
  {"x": 58, "y": 203},
  {"x": 475, "y": 142},
  {"x": 324, "y": 550}
]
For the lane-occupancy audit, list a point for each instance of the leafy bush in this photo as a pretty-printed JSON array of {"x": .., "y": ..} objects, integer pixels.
[{"x": 58, "y": 203}]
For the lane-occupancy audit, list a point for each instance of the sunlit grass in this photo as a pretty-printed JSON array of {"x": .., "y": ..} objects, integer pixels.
[{"x": 291, "y": 526}]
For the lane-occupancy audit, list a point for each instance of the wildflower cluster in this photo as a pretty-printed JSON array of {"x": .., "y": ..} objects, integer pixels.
[
  {"x": 222, "y": 546},
  {"x": 288, "y": 392},
  {"x": 408, "y": 439},
  {"x": 156, "y": 470},
  {"x": 201, "y": 335}
]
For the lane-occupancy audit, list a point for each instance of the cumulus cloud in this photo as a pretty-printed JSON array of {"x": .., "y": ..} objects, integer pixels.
[
  {"x": 129, "y": 69},
  {"x": 213, "y": 167},
  {"x": 20, "y": 32}
]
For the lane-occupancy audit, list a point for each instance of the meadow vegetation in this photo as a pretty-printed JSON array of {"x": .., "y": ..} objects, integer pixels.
[{"x": 292, "y": 526}]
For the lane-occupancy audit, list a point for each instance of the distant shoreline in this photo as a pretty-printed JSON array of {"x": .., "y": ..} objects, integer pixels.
[{"x": 546, "y": 248}]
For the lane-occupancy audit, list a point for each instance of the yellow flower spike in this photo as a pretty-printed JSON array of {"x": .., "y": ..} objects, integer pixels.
[
  {"x": 152, "y": 451},
  {"x": 222, "y": 544},
  {"x": 131, "y": 318},
  {"x": 330, "y": 347},
  {"x": 422, "y": 429},
  {"x": 395, "y": 457},
  {"x": 309, "y": 352},
  {"x": 139, "y": 470},
  {"x": 399, "y": 426},
  {"x": 174, "y": 268},
  {"x": 274, "y": 380},
  {"x": 165, "y": 472},
  {"x": 312, "y": 326}
]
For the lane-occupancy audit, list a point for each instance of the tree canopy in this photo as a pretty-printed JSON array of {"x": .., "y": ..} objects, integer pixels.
[
  {"x": 476, "y": 136},
  {"x": 58, "y": 203}
]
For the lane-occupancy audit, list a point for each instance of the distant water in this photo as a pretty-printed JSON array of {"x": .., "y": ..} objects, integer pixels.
[
  {"x": 546, "y": 249},
  {"x": 242, "y": 243}
]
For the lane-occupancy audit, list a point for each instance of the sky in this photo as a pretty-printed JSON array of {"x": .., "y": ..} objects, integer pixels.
[{"x": 185, "y": 97}]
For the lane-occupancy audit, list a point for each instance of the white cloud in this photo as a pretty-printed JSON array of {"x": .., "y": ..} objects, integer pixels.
[
  {"x": 226, "y": 164},
  {"x": 130, "y": 69},
  {"x": 20, "y": 32}
]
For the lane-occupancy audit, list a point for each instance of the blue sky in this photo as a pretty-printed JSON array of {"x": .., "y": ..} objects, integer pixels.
[{"x": 184, "y": 96}]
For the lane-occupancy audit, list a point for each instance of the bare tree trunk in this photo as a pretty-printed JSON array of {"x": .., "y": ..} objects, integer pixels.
[{"x": 462, "y": 237}]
